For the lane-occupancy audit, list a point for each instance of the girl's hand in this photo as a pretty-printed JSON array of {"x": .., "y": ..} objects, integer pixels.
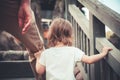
[{"x": 105, "y": 50}]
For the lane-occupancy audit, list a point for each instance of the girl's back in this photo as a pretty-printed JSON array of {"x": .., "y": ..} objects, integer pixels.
[{"x": 60, "y": 62}]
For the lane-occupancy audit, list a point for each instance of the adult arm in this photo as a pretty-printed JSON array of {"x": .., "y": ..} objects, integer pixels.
[{"x": 25, "y": 15}]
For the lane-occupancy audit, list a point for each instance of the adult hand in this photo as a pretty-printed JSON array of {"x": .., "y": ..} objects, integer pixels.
[{"x": 25, "y": 15}]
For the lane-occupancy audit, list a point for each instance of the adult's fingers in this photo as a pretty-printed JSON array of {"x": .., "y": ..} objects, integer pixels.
[
  {"x": 20, "y": 21},
  {"x": 26, "y": 26}
]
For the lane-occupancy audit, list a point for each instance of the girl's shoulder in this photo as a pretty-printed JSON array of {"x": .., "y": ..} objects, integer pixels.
[
  {"x": 69, "y": 47},
  {"x": 62, "y": 48}
]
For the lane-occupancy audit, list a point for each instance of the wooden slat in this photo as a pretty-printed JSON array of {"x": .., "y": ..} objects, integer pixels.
[
  {"x": 104, "y": 14},
  {"x": 113, "y": 57},
  {"x": 13, "y": 55},
  {"x": 80, "y": 19},
  {"x": 97, "y": 29}
]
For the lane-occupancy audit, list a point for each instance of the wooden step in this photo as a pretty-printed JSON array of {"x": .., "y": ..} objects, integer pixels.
[{"x": 16, "y": 69}]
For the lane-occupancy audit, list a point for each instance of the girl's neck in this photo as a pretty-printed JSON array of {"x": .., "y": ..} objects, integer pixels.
[{"x": 59, "y": 44}]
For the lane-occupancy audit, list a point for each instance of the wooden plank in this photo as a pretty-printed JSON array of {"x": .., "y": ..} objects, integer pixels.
[
  {"x": 15, "y": 69},
  {"x": 80, "y": 19},
  {"x": 106, "y": 15},
  {"x": 113, "y": 58},
  {"x": 13, "y": 55},
  {"x": 97, "y": 29}
]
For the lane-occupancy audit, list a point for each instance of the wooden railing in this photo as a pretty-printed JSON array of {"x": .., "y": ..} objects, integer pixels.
[{"x": 90, "y": 37}]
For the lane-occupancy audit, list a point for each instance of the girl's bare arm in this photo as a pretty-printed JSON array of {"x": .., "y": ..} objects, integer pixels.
[{"x": 97, "y": 57}]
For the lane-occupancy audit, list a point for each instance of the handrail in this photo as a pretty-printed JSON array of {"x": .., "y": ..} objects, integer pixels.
[
  {"x": 106, "y": 15},
  {"x": 83, "y": 22},
  {"x": 113, "y": 57}
]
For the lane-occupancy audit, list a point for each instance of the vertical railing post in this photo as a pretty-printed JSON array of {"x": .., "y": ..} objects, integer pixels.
[
  {"x": 97, "y": 29},
  {"x": 66, "y": 2}
]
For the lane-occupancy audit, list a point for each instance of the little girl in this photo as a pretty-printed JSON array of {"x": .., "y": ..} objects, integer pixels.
[{"x": 59, "y": 59}]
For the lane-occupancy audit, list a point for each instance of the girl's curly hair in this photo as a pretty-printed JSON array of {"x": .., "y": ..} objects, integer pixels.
[{"x": 60, "y": 31}]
